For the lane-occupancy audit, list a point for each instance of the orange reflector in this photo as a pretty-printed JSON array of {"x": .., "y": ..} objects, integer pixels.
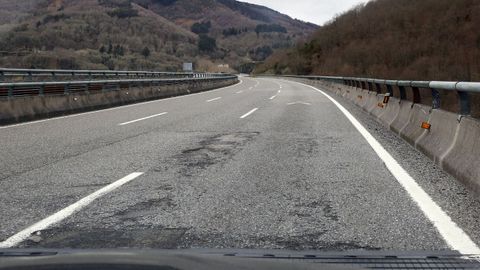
[
  {"x": 380, "y": 104},
  {"x": 386, "y": 99},
  {"x": 348, "y": 91},
  {"x": 360, "y": 97},
  {"x": 426, "y": 125}
]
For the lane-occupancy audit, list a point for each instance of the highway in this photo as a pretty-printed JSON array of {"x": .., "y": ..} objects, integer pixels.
[{"x": 263, "y": 164}]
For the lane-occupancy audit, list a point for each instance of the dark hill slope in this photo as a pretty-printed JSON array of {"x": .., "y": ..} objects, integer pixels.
[{"x": 409, "y": 39}]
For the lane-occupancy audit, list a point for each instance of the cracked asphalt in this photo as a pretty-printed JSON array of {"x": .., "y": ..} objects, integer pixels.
[{"x": 293, "y": 174}]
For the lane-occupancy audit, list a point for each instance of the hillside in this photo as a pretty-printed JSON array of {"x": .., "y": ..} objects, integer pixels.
[
  {"x": 258, "y": 29},
  {"x": 404, "y": 39},
  {"x": 142, "y": 34}
]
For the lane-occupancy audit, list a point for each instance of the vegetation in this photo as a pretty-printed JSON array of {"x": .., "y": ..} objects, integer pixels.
[
  {"x": 123, "y": 12},
  {"x": 201, "y": 28},
  {"x": 403, "y": 39},
  {"x": 269, "y": 28},
  {"x": 261, "y": 53},
  {"x": 232, "y": 31},
  {"x": 140, "y": 34},
  {"x": 207, "y": 44}
]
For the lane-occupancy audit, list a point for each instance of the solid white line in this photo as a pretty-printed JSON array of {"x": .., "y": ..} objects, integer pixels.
[
  {"x": 119, "y": 107},
  {"x": 273, "y": 97},
  {"x": 66, "y": 212},
  {"x": 454, "y": 236},
  {"x": 247, "y": 114},
  {"x": 141, "y": 119},
  {"x": 214, "y": 99}
]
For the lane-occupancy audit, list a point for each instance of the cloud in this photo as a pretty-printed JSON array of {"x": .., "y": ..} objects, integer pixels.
[{"x": 315, "y": 11}]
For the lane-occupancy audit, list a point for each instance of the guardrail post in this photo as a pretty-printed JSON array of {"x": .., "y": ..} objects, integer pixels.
[
  {"x": 378, "y": 88},
  {"x": 10, "y": 91},
  {"x": 41, "y": 92},
  {"x": 363, "y": 85},
  {"x": 436, "y": 101},
  {"x": 416, "y": 95},
  {"x": 370, "y": 87},
  {"x": 464, "y": 99},
  {"x": 2, "y": 75},
  {"x": 403, "y": 93},
  {"x": 65, "y": 89},
  {"x": 390, "y": 90}
]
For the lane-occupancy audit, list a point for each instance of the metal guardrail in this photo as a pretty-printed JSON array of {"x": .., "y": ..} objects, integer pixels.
[
  {"x": 463, "y": 89},
  {"x": 21, "y": 89},
  {"x": 11, "y": 74}
]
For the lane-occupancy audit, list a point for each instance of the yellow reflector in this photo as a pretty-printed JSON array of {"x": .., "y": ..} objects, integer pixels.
[
  {"x": 380, "y": 104},
  {"x": 426, "y": 125}
]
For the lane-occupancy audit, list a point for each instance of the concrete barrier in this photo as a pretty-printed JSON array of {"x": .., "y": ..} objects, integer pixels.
[
  {"x": 405, "y": 109},
  {"x": 412, "y": 131},
  {"x": 379, "y": 108},
  {"x": 462, "y": 160},
  {"x": 392, "y": 109},
  {"x": 439, "y": 138},
  {"x": 20, "y": 109},
  {"x": 372, "y": 102}
]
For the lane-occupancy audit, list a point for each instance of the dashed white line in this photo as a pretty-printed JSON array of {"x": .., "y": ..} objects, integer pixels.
[
  {"x": 249, "y": 113},
  {"x": 141, "y": 119},
  {"x": 239, "y": 92},
  {"x": 279, "y": 91},
  {"x": 273, "y": 97},
  {"x": 66, "y": 212},
  {"x": 214, "y": 99},
  {"x": 453, "y": 235}
]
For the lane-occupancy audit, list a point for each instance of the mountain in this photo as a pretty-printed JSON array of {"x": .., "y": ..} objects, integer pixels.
[
  {"x": 402, "y": 39},
  {"x": 143, "y": 34}
]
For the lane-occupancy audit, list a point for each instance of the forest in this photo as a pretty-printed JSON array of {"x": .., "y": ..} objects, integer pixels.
[{"x": 398, "y": 39}]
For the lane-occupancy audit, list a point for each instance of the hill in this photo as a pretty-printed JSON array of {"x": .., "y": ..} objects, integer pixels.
[
  {"x": 142, "y": 34},
  {"x": 403, "y": 39}
]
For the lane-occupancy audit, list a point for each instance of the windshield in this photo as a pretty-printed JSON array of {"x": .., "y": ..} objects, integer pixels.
[{"x": 338, "y": 126}]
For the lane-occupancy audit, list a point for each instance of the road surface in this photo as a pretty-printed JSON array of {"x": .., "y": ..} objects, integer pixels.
[{"x": 266, "y": 163}]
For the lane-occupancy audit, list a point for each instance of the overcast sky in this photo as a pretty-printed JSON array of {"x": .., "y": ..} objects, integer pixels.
[{"x": 315, "y": 11}]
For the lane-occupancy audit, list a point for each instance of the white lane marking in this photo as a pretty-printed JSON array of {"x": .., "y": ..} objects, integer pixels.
[
  {"x": 272, "y": 98},
  {"x": 453, "y": 235},
  {"x": 299, "y": 102},
  {"x": 239, "y": 92},
  {"x": 247, "y": 114},
  {"x": 250, "y": 88},
  {"x": 279, "y": 91},
  {"x": 119, "y": 107},
  {"x": 141, "y": 119},
  {"x": 66, "y": 212},
  {"x": 214, "y": 99}
]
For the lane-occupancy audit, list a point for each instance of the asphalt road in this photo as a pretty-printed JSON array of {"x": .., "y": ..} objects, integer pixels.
[{"x": 264, "y": 164}]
